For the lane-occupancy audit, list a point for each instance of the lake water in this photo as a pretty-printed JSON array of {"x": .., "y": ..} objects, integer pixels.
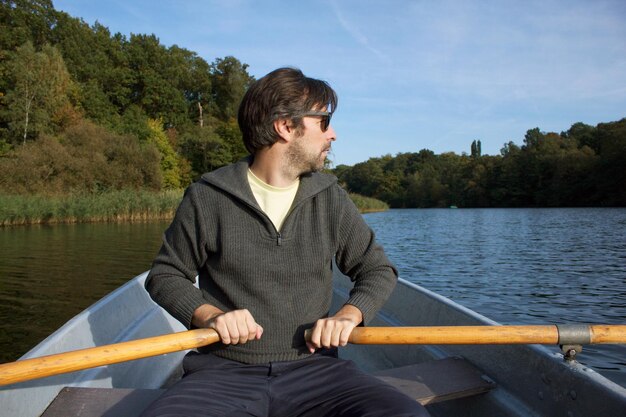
[
  {"x": 48, "y": 274},
  {"x": 520, "y": 266},
  {"x": 516, "y": 266}
]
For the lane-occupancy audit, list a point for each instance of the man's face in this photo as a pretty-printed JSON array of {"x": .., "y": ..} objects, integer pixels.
[{"x": 308, "y": 152}]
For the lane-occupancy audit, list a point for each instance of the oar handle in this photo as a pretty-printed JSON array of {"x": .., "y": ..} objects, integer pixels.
[
  {"x": 27, "y": 369},
  {"x": 487, "y": 335}
]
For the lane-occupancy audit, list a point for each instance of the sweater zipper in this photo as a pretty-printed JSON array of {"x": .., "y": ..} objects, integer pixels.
[{"x": 279, "y": 237}]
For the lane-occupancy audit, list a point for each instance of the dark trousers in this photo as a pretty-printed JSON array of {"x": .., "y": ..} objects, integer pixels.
[{"x": 317, "y": 386}]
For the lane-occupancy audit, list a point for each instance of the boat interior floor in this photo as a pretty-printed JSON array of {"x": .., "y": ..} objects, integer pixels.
[{"x": 427, "y": 382}]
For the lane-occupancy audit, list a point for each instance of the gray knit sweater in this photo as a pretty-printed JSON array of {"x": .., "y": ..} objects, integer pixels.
[{"x": 284, "y": 278}]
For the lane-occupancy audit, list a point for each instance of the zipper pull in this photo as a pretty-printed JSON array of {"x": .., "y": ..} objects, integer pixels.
[{"x": 279, "y": 239}]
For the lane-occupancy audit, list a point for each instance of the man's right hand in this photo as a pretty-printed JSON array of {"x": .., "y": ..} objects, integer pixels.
[{"x": 234, "y": 327}]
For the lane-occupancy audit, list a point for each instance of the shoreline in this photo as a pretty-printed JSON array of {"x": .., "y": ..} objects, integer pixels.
[{"x": 134, "y": 218}]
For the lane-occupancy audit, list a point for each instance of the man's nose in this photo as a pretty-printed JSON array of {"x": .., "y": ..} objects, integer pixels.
[{"x": 331, "y": 133}]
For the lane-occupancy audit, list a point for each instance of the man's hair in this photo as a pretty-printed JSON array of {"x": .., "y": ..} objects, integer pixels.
[{"x": 285, "y": 93}]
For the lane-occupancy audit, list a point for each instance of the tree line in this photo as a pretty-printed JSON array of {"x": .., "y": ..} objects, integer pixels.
[
  {"x": 583, "y": 166},
  {"x": 82, "y": 109},
  {"x": 85, "y": 110}
]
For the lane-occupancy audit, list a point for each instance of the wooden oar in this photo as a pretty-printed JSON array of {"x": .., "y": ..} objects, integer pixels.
[
  {"x": 78, "y": 360},
  {"x": 27, "y": 369}
]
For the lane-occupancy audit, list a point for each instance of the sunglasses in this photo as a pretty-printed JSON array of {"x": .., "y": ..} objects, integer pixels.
[{"x": 325, "y": 115}]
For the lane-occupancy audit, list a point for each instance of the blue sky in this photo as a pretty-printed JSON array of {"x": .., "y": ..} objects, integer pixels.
[{"x": 412, "y": 74}]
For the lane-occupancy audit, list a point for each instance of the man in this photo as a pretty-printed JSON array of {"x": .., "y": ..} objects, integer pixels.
[{"x": 261, "y": 236}]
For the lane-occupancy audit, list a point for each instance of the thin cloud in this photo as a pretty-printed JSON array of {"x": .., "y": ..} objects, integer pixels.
[{"x": 356, "y": 34}]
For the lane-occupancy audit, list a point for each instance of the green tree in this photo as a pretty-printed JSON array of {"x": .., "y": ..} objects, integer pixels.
[
  {"x": 231, "y": 135},
  {"x": 424, "y": 189},
  {"x": 229, "y": 80},
  {"x": 170, "y": 161},
  {"x": 610, "y": 173},
  {"x": 365, "y": 177},
  {"x": 475, "y": 149},
  {"x": 154, "y": 87},
  {"x": 533, "y": 138},
  {"x": 26, "y": 21},
  {"x": 134, "y": 121},
  {"x": 204, "y": 149},
  {"x": 39, "y": 88},
  {"x": 193, "y": 78},
  {"x": 584, "y": 135},
  {"x": 98, "y": 64}
]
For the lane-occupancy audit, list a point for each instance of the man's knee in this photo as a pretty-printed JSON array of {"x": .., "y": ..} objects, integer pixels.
[{"x": 385, "y": 401}]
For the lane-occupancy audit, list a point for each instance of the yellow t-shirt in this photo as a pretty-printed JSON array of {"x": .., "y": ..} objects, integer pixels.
[{"x": 274, "y": 201}]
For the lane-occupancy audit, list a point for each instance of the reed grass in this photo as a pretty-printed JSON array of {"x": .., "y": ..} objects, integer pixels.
[
  {"x": 112, "y": 206},
  {"x": 368, "y": 204}
]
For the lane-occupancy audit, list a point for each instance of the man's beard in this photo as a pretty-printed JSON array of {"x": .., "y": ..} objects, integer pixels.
[{"x": 302, "y": 162}]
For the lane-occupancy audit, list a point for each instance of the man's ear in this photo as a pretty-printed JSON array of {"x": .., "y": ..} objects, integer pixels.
[{"x": 285, "y": 129}]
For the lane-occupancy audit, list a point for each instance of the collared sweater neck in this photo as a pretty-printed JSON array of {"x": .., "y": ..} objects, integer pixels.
[{"x": 233, "y": 179}]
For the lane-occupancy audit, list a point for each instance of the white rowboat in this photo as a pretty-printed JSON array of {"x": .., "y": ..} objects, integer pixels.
[{"x": 452, "y": 380}]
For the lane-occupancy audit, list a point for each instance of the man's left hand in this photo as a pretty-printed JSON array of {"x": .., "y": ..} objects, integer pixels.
[{"x": 334, "y": 331}]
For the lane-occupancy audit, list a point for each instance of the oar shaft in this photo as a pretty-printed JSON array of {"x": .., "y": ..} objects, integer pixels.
[
  {"x": 602, "y": 333},
  {"x": 482, "y": 335},
  {"x": 78, "y": 360},
  {"x": 452, "y": 335}
]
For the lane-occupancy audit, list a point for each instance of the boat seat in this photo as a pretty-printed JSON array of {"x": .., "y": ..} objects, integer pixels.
[
  {"x": 427, "y": 382},
  {"x": 438, "y": 380}
]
